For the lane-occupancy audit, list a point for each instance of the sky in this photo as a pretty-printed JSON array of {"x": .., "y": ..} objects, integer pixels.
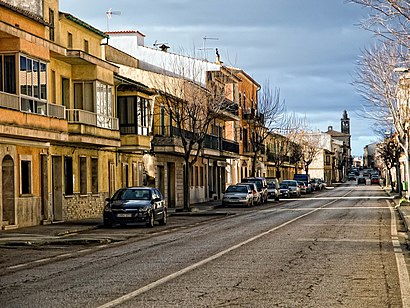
[{"x": 306, "y": 48}]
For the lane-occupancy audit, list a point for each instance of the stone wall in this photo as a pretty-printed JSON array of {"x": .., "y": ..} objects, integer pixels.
[{"x": 79, "y": 207}]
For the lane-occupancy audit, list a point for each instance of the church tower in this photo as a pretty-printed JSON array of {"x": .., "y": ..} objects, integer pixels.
[{"x": 345, "y": 123}]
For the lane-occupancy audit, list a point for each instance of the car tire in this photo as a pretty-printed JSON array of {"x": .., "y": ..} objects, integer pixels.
[
  {"x": 107, "y": 224},
  {"x": 164, "y": 219},
  {"x": 150, "y": 222}
]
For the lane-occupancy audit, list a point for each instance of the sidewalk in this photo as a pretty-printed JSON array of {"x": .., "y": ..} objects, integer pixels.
[
  {"x": 403, "y": 210},
  {"x": 59, "y": 233}
]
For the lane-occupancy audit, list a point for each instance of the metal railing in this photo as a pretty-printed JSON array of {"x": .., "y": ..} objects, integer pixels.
[
  {"x": 90, "y": 118},
  {"x": 210, "y": 141}
]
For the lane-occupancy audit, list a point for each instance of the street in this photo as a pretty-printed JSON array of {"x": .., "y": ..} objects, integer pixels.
[{"x": 339, "y": 247}]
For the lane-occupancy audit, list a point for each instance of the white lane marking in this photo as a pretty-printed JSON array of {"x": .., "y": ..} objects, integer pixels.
[
  {"x": 343, "y": 197},
  {"x": 185, "y": 270},
  {"x": 17, "y": 266},
  {"x": 42, "y": 260},
  {"x": 404, "y": 280}
]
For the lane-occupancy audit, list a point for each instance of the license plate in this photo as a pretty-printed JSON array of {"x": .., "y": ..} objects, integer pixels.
[{"x": 124, "y": 215}]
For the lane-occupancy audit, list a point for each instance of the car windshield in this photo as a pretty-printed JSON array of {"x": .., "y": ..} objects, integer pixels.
[
  {"x": 271, "y": 185},
  {"x": 283, "y": 186},
  {"x": 237, "y": 189},
  {"x": 133, "y": 194}
]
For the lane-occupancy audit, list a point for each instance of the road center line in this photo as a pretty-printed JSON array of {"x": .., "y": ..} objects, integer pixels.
[
  {"x": 404, "y": 280},
  {"x": 185, "y": 270}
]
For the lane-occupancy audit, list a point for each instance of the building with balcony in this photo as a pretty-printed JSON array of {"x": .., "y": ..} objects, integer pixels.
[
  {"x": 161, "y": 71},
  {"x": 59, "y": 132}
]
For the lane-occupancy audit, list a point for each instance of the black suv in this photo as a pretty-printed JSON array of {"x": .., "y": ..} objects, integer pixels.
[{"x": 261, "y": 185}]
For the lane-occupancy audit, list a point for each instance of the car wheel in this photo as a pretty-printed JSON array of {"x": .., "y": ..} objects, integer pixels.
[
  {"x": 150, "y": 222},
  {"x": 164, "y": 219}
]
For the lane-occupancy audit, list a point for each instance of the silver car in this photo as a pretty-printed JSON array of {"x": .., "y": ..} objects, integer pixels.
[
  {"x": 294, "y": 187},
  {"x": 238, "y": 195}
]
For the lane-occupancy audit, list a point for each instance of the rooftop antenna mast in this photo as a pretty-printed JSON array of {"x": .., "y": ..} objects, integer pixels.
[
  {"x": 204, "y": 48},
  {"x": 109, "y": 14}
]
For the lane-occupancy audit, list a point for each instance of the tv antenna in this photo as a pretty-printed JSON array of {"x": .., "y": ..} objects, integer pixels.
[
  {"x": 204, "y": 48},
  {"x": 109, "y": 14}
]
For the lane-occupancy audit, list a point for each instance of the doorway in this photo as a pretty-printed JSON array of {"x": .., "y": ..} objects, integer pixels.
[
  {"x": 57, "y": 188},
  {"x": 8, "y": 191},
  {"x": 171, "y": 184},
  {"x": 44, "y": 187}
]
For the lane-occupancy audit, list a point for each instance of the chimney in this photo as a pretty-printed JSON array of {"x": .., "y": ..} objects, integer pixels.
[{"x": 330, "y": 128}]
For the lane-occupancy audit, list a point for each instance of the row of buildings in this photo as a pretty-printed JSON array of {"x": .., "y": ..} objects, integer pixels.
[{"x": 81, "y": 116}]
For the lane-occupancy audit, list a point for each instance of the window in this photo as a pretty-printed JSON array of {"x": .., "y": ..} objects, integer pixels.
[
  {"x": 65, "y": 91},
  {"x": 94, "y": 175},
  {"x": 52, "y": 23},
  {"x": 84, "y": 96},
  {"x": 135, "y": 115},
  {"x": 86, "y": 46},
  {"x": 104, "y": 105},
  {"x": 53, "y": 86},
  {"x": 83, "y": 175},
  {"x": 33, "y": 85},
  {"x": 25, "y": 177},
  {"x": 8, "y": 81},
  {"x": 327, "y": 160},
  {"x": 68, "y": 175},
  {"x": 69, "y": 40}
]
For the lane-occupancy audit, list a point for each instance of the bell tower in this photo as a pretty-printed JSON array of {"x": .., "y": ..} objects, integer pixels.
[{"x": 345, "y": 123}]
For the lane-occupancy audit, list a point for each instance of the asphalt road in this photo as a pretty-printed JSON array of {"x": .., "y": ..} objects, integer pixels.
[{"x": 331, "y": 249}]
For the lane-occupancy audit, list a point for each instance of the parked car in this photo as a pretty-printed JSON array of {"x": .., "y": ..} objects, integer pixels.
[
  {"x": 320, "y": 184},
  {"x": 361, "y": 180},
  {"x": 238, "y": 195},
  {"x": 260, "y": 184},
  {"x": 375, "y": 179},
  {"x": 351, "y": 176},
  {"x": 293, "y": 186},
  {"x": 303, "y": 187},
  {"x": 135, "y": 205},
  {"x": 305, "y": 178},
  {"x": 284, "y": 190},
  {"x": 257, "y": 197},
  {"x": 273, "y": 188}
]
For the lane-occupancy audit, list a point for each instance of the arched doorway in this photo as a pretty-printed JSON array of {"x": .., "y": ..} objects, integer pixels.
[{"x": 8, "y": 195}]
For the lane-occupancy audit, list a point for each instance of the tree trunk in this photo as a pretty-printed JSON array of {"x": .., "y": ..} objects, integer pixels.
[
  {"x": 255, "y": 158},
  {"x": 391, "y": 180},
  {"x": 187, "y": 190},
  {"x": 398, "y": 177}
]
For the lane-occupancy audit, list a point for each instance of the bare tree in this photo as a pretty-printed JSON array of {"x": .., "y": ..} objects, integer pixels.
[
  {"x": 192, "y": 98},
  {"x": 389, "y": 152},
  {"x": 311, "y": 149},
  {"x": 278, "y": 151},
  {"x": 388, "y": 19},
  {"x": 267, "y": 119},
  {"x": 386, "y": 91}
]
